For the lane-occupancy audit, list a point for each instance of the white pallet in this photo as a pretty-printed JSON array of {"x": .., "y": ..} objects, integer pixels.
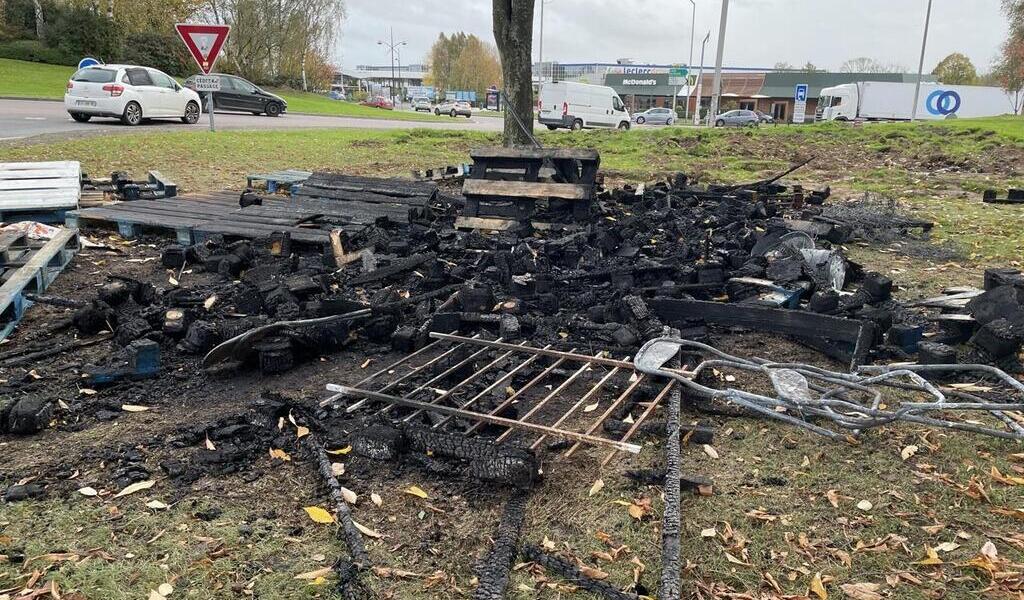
[{"x": 31, "y": 186}]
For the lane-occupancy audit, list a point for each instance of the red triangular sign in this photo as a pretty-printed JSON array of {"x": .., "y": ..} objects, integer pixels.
[{"x": 203, "y": 42}]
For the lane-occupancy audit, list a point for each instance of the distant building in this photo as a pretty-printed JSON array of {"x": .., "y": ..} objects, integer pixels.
[{"x": 376, "y": 79}]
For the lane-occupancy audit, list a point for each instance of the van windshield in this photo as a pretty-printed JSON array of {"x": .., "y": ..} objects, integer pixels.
[
  {"x": 617, "y": 103},
  {"x": 92, "y": 75}
]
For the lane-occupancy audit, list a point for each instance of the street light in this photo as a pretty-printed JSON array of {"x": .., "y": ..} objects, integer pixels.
[
  {"x": 689, "y": 63},
  {"x": 392, "y": 46},
  {"x": 717, "y": 91},
  {"x": 920, "y": 65},
  {"x": 700, "y": 77},
  {"x": 540, "y": 51}
]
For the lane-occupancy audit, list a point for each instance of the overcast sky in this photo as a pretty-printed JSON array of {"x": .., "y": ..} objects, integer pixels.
[{"x": 760, "y": 32}]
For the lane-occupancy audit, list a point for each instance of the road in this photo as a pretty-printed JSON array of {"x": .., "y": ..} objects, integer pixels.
[{"x": 20, "y": 119}]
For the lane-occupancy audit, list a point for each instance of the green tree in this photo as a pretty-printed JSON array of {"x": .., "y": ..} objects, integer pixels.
[
  {"x": 463, "y": 62},
  {"x": 956, "y": 69},
  {"x": 1009, "y": 67}
]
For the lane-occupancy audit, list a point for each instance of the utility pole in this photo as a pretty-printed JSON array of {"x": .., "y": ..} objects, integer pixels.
[
  {"x": 689, "y": 62},
  {"x": 700, "y": 77},
  {"x": 716, "y": 93},
  {"x": 540, "y": 49},
  {"x": 920, "y": 65},
  {"x": 391, "y": 46}
]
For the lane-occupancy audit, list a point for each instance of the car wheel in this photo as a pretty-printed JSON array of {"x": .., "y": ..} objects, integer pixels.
[
  {"x": 577, "y": 125},
  {"x": 452, "y": 113},
  {"x": 132, "y": 114},
  {"x": 624, "y": 125},
  {"x": 273, "y": 109},
  {"x": 552, "y": 127},
  {"x": 670, "y": 121},
  {"x": 640, "y": 120},
  {"x": 719, "y": 123},
  {"x": 437, "y": 112},
  {"x": 81, "y": 117},
  {"x": 191, "y": 114}
]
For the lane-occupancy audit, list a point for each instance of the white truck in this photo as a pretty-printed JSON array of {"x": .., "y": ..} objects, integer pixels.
[
  {"x": 577, "y": 105},
  {"x": 881, "y": 100}
]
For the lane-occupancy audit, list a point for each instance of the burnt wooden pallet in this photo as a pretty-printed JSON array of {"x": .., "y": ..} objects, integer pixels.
[
  {"x": 35, "y": 265},
  {"x": 396, "y": 188}
]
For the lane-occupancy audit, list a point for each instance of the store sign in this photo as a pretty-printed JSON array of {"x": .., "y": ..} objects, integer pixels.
[
  {"x": 638, "y": 70},
  {"x": 639, "y": 82}
]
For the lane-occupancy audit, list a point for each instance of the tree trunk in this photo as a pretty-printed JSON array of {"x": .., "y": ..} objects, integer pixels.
[
  {"x": 40, "y": 23},
  {"x": 513, "y": 33}
]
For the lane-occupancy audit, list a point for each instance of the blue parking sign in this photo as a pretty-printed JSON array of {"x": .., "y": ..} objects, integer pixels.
[
  {"x": 801, "y": 92},
  {"x": 88, "y": 61}
]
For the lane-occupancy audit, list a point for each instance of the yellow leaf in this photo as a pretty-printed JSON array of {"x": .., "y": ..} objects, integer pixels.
[
  {"x": 591, "y": 407},
  {"x": 301, "y": 432},
  {"x": 344, "y": 450},
  {"x": 833, "y": 498},
  {"x": 135, "y": 487},
  {"x": 932, "y": 557},
  {"x": 279, "y": 454},
  {"x": 710, "y": 451},
  {"x": 596, "y": 488},
  {"x": 416, "y": 491},
  {"x": 366, "y": 530},
  {"x": 636, "y": 512},
  {"x": 319, "y": 515},
  {"x": 318, "y": 581},
  {"x": 817, "y": 588},
  {"x": 157, "y": 505},
  {"x": 134, "y": 408},
  {"x": 312, "y": 575}
]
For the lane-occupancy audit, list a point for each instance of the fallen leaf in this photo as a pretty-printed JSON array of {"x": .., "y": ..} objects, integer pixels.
[
  {"x": 349, "y": 496},
  {"x": 817, "y": 588},
  {"x": 319, "y": 515},
  {"x": 87, "y": 391},
  {"x": 134, "y": 408},
  {"x": 833, "y": 498},
  {"x": 172, "y": 280},
  {"x": 337, "y": 469},
  {"x": 155, "y": 595},
  {"x": 279, "y": 454},
  {"x": 708, "y": 533},
  {"x": 311, "y": 575},
  {"x": 931, "y": 558},
  {"x": 591, "y": 407},
  {"x": 366, "y": 530},
  {"x": 947, "y": 546},
  {"x": 593, "y": 573},
  {"x": 636, "y": 512},
  {"x": 862, "y": 591},
  {"x": 865, "y": 505},
  {"x": 34, "y": 374},
  {"x": 165, "y": 589},
  {"x": 710, "y": 451},
  {"x": 415, "y": 490},
  {"x": 209, "y": 444},
  {"x": 376, "y": 499},
  {"x": 157, "y": 505},
  {"x": 908, "y": 452},
  {"x": 596, "y": 488},
  {"x": 87, "y": 491},
  {"x": 344, "y": 450},
  {"x": 301, "y": 432},
  {"x": 135, "y": 487},
  {"x": 209, "y": 302}
]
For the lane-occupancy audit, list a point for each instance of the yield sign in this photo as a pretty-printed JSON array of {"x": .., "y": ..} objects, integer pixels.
[{"x": 203, "y": 42}]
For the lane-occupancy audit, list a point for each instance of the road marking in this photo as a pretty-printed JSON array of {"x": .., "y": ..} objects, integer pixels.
[{"x": 35, "y": 118}]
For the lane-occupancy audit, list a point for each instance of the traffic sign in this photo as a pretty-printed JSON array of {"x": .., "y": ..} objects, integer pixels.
[
  {"x": 203, "y": 42},
  {"x": 800, "y": 103},
  {"x": 206, "y": 83},
  {"x": 88, "y": 61}
]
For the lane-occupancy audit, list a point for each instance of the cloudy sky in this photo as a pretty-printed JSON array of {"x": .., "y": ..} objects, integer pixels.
[{"x": 760, "y": 32}]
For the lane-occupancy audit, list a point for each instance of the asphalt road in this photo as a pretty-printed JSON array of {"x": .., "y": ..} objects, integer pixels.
[{"x": 20, "y": 119}]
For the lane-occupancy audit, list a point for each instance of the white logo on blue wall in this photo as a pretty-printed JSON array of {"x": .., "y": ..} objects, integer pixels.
[{"x": 942, "y": 102}]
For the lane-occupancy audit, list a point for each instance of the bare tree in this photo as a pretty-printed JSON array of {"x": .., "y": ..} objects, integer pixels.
[
  {"x": 513, "y": 33},
  {"x": 40, "y": 22},
  {"x": 864, "y": 64}
]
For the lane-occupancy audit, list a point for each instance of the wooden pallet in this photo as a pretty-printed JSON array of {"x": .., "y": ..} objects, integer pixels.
[
  {"x": 37, "y": 190},
  {"x": 278, "y": 180},
  {"x": 336, "y": 186},
  {"x": 30, "y": 266}
]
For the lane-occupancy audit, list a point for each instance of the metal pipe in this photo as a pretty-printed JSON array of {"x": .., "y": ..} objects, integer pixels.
[
  {"x": 643, "y": 417},
  {"x": 377, "y": 374},
  {"x": 492, "y": 419},
  {"x": 607, "y": 413},
  {"x": 596, "y": 359},
  {"x": 920, "y": 64}
]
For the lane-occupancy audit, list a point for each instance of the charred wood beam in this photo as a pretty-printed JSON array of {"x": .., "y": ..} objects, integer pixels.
[
  {"x": 494, "y": 571},
  {"x": 571, "y": 573},
  {"x": 397, "y": 268},
  {"x": 350, "y": 534},
  {"x": 671, "y": 518}
]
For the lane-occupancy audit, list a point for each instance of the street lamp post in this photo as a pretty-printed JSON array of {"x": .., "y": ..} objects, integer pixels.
[
  {"x": 540, "y": 51},
  {"x": 716, "y": 93},
  {"x": 689, "y": 63},
  {"x": 700, "y": 77},
  {"x": 920, "y": 65},
  {"x": 392, "y": 46}
]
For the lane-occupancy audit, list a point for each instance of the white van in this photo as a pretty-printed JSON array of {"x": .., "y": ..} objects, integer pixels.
[{"x": 577, "y": 105}]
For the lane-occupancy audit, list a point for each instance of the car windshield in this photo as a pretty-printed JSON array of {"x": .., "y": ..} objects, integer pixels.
[{"x": 94, "y": 75}]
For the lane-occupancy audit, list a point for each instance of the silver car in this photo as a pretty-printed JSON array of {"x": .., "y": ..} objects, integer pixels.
[
  {"x": 738, "y": 118},
  {"x": 454, "y": 108},
  {"x": 421, "y": 103},
  {"x": 655, "y": 116}
]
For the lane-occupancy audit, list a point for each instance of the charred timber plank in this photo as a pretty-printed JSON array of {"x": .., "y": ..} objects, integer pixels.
[
  {"x": 391, "y": 270},
  {"x": 799, "y": 323},
  {"x": 526, "y": 189},
  {"x": 493, "y": 572},
  {"x": 398, "y": 188},
  {"x": 571, "y": 573},
  {"x": 581, "y": 154},
  {"x": 328, "y": 193},
  {"x": 258, "y": 231}
]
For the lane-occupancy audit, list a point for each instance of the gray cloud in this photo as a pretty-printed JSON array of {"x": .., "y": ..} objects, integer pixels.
[{"x": 760, "y": 32}]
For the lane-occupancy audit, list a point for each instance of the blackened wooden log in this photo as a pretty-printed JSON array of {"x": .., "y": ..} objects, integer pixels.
[
  {"x": 569, "y": 572},
  {"x": 391, "y": 270},
  {"x": 494, "y": 571},
  {"x": 352, "y": 537},
  {"x": 671, "y": 519}
]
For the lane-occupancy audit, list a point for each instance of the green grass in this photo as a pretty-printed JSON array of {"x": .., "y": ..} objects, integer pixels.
[
  {"x": 306, "y": 102},
  {"x": 24, "y": 79}
]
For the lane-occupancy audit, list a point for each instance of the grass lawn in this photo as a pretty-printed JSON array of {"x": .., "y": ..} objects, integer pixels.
[{"x": 788, "y": 509}]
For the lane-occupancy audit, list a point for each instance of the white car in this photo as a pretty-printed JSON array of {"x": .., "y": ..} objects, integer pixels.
[{"x": 129, "y": 93}]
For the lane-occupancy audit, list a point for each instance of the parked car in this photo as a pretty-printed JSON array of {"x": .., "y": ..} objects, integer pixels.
[
  {"x": 765, "y": 117},
  {"x": 421, "y": 103},
  {"x": 737, "y": 118},
  {"x": 241, "y": 95},
  {"x": 130, "y": 93},
  {"x": 454, "y": 108},
  {"x": 655, "y": 116},
  {"x": 379, "y": 102}
]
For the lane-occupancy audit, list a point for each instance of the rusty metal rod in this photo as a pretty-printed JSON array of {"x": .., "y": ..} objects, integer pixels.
[
  {"x": 583, "y": 399},
  {"x": 558, "y": 390},
  {"x": 492, "y": 387},
  {"x": 377, "y": 374},
  {"x": 607, "y": 362},
  {"x": 511, "y": 399},
  {"x": 643, "y": 417},
  {"x": 607, "y": 413},
  {"x": 492, "y": 419}
]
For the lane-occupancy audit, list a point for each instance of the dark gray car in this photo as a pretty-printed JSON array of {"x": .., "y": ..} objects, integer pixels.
[
  {"x": 238, "y": 94},
  {"x": 738, "y": 118}
]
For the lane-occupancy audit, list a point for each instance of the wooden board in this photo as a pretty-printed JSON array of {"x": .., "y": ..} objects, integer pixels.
[
  {"x": 526, "y": 189},
  {"x": 40, "y": 269},
  {"x": 581, "y": 154},
  {"x": 39, "y": 186}
]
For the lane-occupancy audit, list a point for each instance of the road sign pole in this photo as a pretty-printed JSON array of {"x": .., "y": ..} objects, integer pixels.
[
  {"x": 209, "y": 108},
  {"x": 204, "y": 43}
]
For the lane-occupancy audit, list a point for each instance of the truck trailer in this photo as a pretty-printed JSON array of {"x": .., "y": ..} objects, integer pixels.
[{"x": 888, "y": 101}]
